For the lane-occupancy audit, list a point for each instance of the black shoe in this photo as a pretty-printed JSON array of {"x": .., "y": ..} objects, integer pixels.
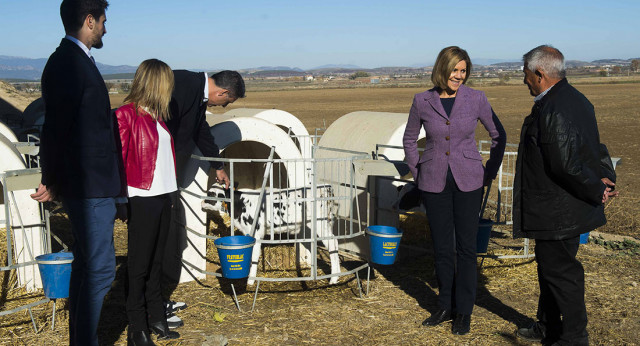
[
  {"x": 461, "y": 325},
  {"x": 534, "y": 333},
  {"x": 437, "y": 318},
  {"x": 161, "y": 329},
  {"x": 140, "y": 338}
]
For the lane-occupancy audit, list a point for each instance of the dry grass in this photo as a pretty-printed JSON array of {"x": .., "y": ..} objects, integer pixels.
[{"x": 400, "y": 297}]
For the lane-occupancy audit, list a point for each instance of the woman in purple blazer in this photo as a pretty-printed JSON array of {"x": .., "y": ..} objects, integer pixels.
[{"x": 451, "y": 177}]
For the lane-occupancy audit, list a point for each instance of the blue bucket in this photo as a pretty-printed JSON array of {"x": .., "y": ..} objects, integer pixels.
[
  {"x": 235, "y": 255},
  {"x": 384, "y": 242},
  {"x": 484, "y": 233},
  {"x": 584, "y": 238},
  {"x": 55, "y": 272}
]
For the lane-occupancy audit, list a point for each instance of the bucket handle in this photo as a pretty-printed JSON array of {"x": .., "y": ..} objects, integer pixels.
[
  {"x": 384, "y": 235},
  {"x": 485, "y": 199},
  {"x": 235, "y": 247},
  {"x": 65, "y": 261}
]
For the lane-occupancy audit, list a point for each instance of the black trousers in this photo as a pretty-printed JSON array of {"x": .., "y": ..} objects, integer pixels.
[
  {"x": 177, "y": 239},
  {"x": 453, "y": 220},
  {"x": 561, "y": 307},
  {"x": 149, "y": 221}
]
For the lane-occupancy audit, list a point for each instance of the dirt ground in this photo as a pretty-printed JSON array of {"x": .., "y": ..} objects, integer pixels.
[{"x": 402, "y": 295}]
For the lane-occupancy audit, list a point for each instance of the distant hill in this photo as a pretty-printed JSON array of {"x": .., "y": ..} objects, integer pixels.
[
  {"x": 21, "y": 68},
  {"x": 338, "y": 66},
  {"x": 275, "y": 73},
  {"x": 13, "y": 67},
  {"x": 620, "y": 62},
  {"x": 576, "y": 63},
  {"x": 492, "y": 62},
  {"x": 507, "y": 64},
  {"x": 571, "y": 63},
  {"x": 110, "y": 69},
  {"x": 118, "y": 76}
]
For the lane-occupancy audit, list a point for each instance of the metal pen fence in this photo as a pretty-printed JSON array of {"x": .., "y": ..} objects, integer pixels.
[
  {"x": 301, "y": 202},
  {"x": 503, "y": 198},
  {"x": 24, "y": 238}
]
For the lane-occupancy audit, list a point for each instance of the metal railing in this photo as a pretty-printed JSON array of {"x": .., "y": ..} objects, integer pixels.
[
  {"x": 21, "y": 254},
  {"x": 298, "y": 209}
]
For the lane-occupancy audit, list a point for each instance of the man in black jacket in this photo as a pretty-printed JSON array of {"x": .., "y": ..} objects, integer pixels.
[
  {"x": 563, "y": 177},
  {"x": 192, "y": 93},
  {"x": 80, "y": 161}
]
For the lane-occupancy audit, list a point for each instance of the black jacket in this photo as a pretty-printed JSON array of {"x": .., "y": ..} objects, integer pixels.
[
  {"x": 188, "y": 123},
  {"x": 79, "y": 152},
  {"x": 558, "y": 188}
]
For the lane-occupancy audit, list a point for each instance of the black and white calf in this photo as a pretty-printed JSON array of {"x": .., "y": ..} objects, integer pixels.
[
  {"x": 284, "y": 211},
  {"x": 408, "y": 198}
]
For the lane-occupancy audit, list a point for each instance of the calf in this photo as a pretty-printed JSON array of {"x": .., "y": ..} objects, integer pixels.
[
  {"x": 283, "y": 211},
  {"x": 408, "y": 198}
]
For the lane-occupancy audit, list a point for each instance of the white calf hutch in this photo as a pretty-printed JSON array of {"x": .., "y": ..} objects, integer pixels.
[
  {"x": 25, "y": 222},
  {"x": 285, "y": 120},
  {"x": 283, "y": 196},
  {"x": 289, "y": 191},
  {"x": 378, "y": 135}
]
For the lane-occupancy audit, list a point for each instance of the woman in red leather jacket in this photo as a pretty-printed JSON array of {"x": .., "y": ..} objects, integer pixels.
[{"x": 149, "y": 163}]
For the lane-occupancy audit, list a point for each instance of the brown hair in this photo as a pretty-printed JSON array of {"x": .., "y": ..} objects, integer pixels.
[
  {"x": 152, "y": 87},
  {"x": 446, "y": 62},
  {"x": 74, "y": 12}
]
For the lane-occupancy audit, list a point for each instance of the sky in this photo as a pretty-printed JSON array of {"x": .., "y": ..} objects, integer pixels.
[{"x": 211, "y": 35}]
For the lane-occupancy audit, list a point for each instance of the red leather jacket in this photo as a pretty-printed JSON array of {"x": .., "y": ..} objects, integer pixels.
[{"x": 139, "y": 137}]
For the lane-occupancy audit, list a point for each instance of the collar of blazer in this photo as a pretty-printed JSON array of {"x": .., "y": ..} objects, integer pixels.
[
  {"x": 432, "y": 96},
  {"x": 68, "y": 44}
]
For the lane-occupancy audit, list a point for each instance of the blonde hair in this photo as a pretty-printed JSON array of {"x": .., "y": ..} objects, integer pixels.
[
  {"x": 447, "y": 60},
  {"x": 152, "y": 87}
]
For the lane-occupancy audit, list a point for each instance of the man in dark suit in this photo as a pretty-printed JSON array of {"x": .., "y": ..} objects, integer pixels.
[
  {"x": 564, "y": 175},
  {"x": 192, "y": 93},
  {"x": 80, "y": 161}
]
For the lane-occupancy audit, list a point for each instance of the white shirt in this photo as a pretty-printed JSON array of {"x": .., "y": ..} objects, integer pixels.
[
  {"x": 164, "y": 174},
  {"x": 80, "y": 44},
  {"x": 541, "y": 95},
  {"x": 205, "y": 98}
]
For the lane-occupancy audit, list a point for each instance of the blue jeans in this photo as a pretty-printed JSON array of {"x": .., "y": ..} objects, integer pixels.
[{"x": 94, "y": 264}]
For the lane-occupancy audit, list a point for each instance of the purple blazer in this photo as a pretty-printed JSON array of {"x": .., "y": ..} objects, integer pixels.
[{"x": 451, "y": 140}]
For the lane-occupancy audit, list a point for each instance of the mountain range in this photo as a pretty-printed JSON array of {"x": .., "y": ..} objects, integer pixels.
[{"x": 21, "y": 68}]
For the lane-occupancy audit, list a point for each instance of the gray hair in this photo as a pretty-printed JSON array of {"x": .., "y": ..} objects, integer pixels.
[{"x": 547, "y": 59}]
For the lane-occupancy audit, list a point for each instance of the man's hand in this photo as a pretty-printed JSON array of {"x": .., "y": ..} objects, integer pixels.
[
  {"x": 222, "y": 178},
  {"x": 608, "y": 194},
  {"x": 43, "y": 195}
]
